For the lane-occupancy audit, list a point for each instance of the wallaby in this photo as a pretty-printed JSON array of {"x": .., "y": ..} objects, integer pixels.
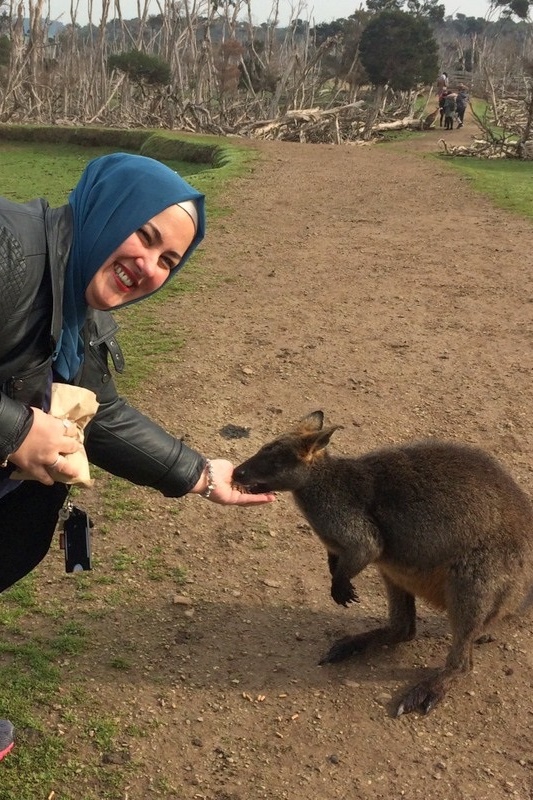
[
  {"x": 429, "y": 121},
  {"x": 440, "y": 520}
]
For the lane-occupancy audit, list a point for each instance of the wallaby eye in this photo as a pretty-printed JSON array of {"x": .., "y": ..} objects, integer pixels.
[
  {"x": 268, "y": 448},
  {"x": 268, "y": 453}
]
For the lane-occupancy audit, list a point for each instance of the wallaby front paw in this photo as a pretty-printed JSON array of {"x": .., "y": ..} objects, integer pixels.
[
  {"x": 343, "y": 593},
  {"x": 423, "y": 697}
]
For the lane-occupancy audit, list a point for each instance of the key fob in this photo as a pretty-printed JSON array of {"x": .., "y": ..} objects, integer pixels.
[{"x": 76, "y": 541}]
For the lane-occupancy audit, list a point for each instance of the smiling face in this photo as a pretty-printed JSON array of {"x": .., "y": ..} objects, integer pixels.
[{"x": 143, "y": 262}]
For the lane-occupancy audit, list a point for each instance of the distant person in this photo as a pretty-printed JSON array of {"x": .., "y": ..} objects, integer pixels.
[
  {"x": 461, "y": 102},
  {"x": 442, "y": 82},
  {"x": 442, "y": 98},
  {"x": 449, "y": 111}
]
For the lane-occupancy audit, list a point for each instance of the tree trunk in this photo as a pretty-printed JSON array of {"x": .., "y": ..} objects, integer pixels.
[{"x": 373, "y": 112}]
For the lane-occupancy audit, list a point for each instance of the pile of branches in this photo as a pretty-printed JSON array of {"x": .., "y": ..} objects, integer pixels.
[
  {"x": 329, "y": 126},
  {"x": 499, "y": 147},
  {"x": 333, "y": 125},
  {"x": 513, "y": 113}
]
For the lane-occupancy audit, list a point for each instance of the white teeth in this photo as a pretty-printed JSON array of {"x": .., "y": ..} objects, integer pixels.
[{"x": 123, "y": 276}]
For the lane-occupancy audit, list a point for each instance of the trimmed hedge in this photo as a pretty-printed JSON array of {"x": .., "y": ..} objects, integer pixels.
[
  {"x": 169, "y": 148},
  {"x": 88, "y": 137},
  {"x": 165, "y": 146}
]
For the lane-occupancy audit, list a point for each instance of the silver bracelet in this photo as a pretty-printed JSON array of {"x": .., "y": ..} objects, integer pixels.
[{"x": 210, "y": 481}]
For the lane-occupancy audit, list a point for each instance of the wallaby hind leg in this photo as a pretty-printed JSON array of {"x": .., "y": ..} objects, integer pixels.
[
  {"x": 427, "y": 694},
  {"x": 401, "y": 628},
  {"x": 472, "y": 605}
]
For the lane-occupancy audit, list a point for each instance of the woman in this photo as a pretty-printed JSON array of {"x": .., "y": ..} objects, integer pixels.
[
  {"x": 130, "y": 224},
  {"x": 449, "y": 110}
]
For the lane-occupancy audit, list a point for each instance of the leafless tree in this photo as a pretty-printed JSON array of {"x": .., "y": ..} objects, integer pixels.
[{"x": 207, "y": 65}]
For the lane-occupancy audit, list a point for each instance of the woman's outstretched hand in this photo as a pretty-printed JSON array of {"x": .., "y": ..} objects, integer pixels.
[{"x": 224, "y": 492}]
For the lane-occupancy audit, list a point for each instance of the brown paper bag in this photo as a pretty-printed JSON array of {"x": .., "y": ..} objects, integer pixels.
[{"x": 79, "y": 406}]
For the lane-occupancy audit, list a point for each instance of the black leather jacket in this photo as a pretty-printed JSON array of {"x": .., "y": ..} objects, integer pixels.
[{"x": 35, "y": 242}]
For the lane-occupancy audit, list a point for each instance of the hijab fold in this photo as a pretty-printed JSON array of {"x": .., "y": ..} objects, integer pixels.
[{"x": 115, "y": 196}]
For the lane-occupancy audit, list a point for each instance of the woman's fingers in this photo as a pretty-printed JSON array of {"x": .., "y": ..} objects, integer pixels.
[
  {"x": 63, "y": 467},
  {"x": 69, "y": 428},
  {"x": 70, "y": 443},
  {"x": 239, "y": 498}
]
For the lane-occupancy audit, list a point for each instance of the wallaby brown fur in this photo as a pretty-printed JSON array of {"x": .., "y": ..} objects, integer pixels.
[{"x": 440, "y": 520}]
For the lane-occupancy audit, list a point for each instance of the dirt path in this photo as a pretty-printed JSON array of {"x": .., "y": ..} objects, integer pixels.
[{"x": 372, "y": 283}]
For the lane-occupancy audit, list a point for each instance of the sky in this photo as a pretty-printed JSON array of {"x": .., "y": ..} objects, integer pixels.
[
  {"x": 315, "y": 11},
  {"x": 327, "y": 10}
]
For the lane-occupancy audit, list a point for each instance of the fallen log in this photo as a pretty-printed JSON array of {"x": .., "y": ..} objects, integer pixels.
[
  {"x": 337, "y": 125},
  {"x": 409, "y": 123}
]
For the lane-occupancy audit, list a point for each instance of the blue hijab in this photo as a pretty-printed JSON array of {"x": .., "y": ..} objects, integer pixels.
[{"x": 116, "y": 195}]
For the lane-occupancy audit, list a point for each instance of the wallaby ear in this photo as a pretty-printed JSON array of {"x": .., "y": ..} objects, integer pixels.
[
  {"x": 313, "y": 443},
  {"x": 311, "y": 423},
  {"x": 322, "y": 439}
]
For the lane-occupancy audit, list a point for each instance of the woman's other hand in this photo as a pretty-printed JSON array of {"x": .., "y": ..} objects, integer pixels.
[{"x": 44, "y": 448}]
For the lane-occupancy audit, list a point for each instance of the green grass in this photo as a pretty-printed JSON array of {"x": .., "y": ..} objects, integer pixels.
[
  {"x": 17, "y": 601},
  {"x": 481, "y": 107},
  {"x": 120, "y": 500},
  {"x": 29, "y": 686},
  {"x": 507, "y": 182}
]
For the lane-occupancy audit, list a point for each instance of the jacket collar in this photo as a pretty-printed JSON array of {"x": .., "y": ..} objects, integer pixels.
[{"x": 58, "y": 226}]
